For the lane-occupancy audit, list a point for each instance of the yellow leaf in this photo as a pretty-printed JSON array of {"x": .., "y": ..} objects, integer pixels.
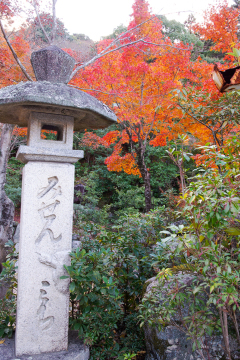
[{"x": 2, "y": 341}]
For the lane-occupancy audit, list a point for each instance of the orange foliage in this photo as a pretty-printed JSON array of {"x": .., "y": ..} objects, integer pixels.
[
  {"x": 93, "y": 141},
  {"x": 136, "y": 82},
  {"x": 22, "y": 132},
  {"x": 207, "y": 158},
  {"x": 202, "y": 159},
  {"x": 10, "y": 72},
  {"x": 220, "y": 25},
  {"x": 111, "y": 137}
]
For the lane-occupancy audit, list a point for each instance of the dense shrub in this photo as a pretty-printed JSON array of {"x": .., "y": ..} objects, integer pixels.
[
  {"x": 8, "y": 303},
  {"x": 13, "y": 185},
  {"x": 107, "y": 277},
  {"x": 207, "y": 246}
]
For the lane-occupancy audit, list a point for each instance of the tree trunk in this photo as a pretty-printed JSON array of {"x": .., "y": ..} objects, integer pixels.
[
  {"x": 6, "y": 205},
  {"x": 146, "y": 177},
  {"x": 148, "y": 195}
]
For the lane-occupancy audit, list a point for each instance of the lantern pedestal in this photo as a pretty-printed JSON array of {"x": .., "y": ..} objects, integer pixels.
[{"x": 45, "y": 241}]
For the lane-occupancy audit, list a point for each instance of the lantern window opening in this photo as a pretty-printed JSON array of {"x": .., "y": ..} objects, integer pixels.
[{"x": 55, "y": 131}]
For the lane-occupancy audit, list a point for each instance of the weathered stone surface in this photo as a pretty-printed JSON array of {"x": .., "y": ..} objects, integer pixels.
[
  {"x": 18, "y": 101},
  {"x": 76, "y": 351},
  {"x": 52, "y": 64},
  {"x": 27, "y": 153},
  {"x": 76, "y": 242},
  {"x": 6, "y": 205},
  {"x": 45, "y": 243},
  {"x": 172, "y": 344},
  {"x": 6, "y": 221}
]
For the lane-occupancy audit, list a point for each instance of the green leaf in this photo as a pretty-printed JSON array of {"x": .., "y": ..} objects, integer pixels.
[
  {"x": 105, "y": 279},
  {"x": 233, "y": 231},
  {"x": 211, "y": 289},
  {"x": 72, "y": 287},
  {"x": 186, "y": 157},
  {"x": 236, "y": 52}
]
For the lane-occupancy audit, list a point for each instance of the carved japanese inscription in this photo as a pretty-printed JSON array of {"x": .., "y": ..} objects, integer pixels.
[
  {"x": 55, "y": 261},
  {"x": 44, "y": 322},
  {"x": 47, "y": 209}
]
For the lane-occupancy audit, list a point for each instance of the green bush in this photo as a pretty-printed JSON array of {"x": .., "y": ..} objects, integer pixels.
[
  {"x": 95, "y": 297},
  {"x": 107, "y": 277},
  {"x": 8, "y": 303},
  {"x": 206, "y": 245},
  {"x": 13, "y": 185}
]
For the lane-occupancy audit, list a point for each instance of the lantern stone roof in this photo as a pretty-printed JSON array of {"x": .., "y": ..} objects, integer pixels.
[{"x": 53, "y": 66}]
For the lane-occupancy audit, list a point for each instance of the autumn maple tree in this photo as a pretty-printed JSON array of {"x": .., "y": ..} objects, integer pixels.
[{"x": 137, "y": 83}]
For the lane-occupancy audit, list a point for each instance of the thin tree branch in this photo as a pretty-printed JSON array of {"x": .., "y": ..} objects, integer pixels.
[
  {"x": 196, "y": 119},
  {"x": 125, "y": 33},
  {"x": 54, "y": 20},
  {"x": 40, "y": 22},
  {"x": 14, "y": 54},
  {"x": 214, "y": 132},
  {"x": 101, "y": 54},
  {"x": 115, "y": 41}
]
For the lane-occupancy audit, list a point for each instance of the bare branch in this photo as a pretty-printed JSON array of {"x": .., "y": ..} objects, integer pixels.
[
  {"x": 14, "y": 54},
  {"x": 107, "y": 50},
  {"x": 40, "y": 22},
  {"x": 115, "y": 41},
  {"x": 101, "y": 54},
  {"x": 54, "y": 20}
]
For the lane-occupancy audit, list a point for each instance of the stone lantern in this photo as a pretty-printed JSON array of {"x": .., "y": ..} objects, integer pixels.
[{"x": 47, "y": 194}]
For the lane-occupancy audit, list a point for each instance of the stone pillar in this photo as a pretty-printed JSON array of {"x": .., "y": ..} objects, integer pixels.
[{"x": 45, "y": 236}]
